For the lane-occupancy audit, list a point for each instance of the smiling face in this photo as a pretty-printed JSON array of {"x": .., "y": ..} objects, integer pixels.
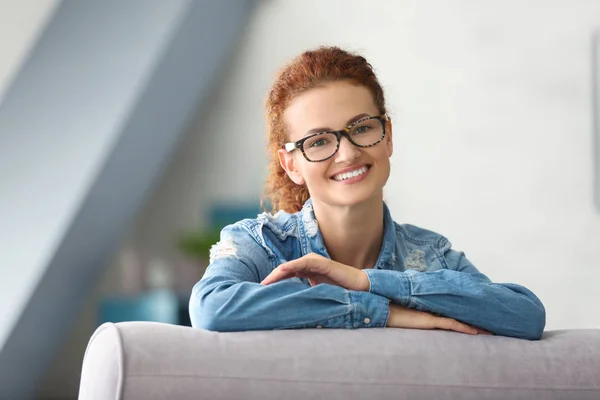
[{"x": 354, "y": 174}]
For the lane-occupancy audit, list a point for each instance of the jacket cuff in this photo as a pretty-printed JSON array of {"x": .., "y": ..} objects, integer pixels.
[
  {"x": 369, "y": 310},
  {"x": 393, "y": 285}
]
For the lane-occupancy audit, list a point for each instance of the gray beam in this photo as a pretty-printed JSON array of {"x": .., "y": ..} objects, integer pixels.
[{"x": 86, "y": 129}]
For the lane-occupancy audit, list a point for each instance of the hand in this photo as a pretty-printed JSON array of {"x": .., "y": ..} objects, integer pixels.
[
  {"x": 402, "y": 317},
  {"x": 318, "y": 269}
]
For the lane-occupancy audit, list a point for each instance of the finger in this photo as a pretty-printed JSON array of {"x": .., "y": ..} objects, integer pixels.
[
  {"x": 303, "y": 275},
  {"x": 304, "y": 264},
  {"x": 483, "y": 331},
  {"x": 314, "y": 279},
  {"x": 276, "y": 276},
  {"x": 454, "y": 325}
]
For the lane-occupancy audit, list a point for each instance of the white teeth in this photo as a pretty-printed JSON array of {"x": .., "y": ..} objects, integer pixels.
[{"x": 351, "y": 174}]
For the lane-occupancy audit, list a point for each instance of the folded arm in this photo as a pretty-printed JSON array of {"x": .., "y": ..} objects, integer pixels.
[
  {"x": 463, "y": 293},
  {"x": 230, "y": 297}
]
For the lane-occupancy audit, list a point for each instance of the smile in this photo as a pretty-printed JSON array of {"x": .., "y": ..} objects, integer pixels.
[{"x": 351, "y": 174}]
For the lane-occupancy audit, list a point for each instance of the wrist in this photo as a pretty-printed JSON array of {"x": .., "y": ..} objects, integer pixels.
[
  {"x": 391, "y": 320},
  {"x": 365, "y": 281}
]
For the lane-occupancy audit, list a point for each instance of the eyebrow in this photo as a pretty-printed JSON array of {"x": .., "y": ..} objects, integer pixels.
[{"x": 327, "y": 129}]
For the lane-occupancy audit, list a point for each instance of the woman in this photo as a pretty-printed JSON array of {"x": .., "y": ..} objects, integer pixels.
[{"x": 332, "y": 257}]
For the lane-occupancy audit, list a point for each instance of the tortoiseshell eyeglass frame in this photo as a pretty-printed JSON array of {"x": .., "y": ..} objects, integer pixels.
[{"x": 291, "y": 146}]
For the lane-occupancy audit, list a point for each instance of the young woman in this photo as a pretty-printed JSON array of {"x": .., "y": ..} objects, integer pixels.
[{"x": 332, "y": 256}]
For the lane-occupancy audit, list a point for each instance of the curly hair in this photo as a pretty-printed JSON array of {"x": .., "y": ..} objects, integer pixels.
[{"x": 308, "y": 70}]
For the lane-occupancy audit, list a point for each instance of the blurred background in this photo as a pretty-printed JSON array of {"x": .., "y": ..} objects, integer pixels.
[{"x": 132, "y": 131}]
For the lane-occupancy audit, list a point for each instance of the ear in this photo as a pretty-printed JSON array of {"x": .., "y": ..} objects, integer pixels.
[
  {"x": 288, "y": 163},
  {"x": 388, "y": 137}
]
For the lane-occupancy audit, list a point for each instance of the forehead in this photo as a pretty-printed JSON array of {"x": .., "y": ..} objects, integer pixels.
[{"x": 328, "y": 106}]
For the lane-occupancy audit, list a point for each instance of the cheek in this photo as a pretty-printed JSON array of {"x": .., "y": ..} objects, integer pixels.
[
  {"x": 314, "y": 173},
  {"x": 383, "y": 161},
  {"x": 381, "y": 154}
]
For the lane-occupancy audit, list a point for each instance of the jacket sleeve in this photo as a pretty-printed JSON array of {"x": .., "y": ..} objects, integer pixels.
[
  {"x": 229, "y": 297},
  {"x": 463, "y": 293}
]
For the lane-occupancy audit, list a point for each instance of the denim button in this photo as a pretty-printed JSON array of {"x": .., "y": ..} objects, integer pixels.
[{"x": 367, "y": 320}]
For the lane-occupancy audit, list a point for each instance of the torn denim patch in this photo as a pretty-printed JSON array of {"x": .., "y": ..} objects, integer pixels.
[
  {"x": 416, "y": 260},
  {"x": 309, "y": 220},
  {"x": 223, "y": 249}
]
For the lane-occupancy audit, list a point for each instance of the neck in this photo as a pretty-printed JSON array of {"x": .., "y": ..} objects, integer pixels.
[{"x": 352, "y": 235}]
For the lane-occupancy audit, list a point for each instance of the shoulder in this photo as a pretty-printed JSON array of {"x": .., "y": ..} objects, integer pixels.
[
  {"x": 270, "y": 231},
  {"x": 279, "y": 225},
  {"x": 421, "y": 236}
]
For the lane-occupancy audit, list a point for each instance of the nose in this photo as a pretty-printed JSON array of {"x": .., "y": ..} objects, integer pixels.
[{"x": 347, "y": 152}]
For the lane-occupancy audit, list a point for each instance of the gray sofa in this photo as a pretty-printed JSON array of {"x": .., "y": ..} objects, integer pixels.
[{"x": 146, "y": 360}]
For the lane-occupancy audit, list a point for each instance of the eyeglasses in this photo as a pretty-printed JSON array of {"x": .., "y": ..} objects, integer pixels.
[{"x": 365, "y": 132}]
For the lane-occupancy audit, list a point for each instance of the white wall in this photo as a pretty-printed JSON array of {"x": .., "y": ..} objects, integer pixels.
[
  {"x": 20, "y": 24},
  {"x": 492, "y": 112}
]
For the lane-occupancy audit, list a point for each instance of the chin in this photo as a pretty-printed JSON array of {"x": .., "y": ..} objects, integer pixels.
[{"x": 350, "y": 200}]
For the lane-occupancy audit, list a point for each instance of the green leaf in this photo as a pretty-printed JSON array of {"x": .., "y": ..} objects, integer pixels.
[{"x": 198, "y": 244}]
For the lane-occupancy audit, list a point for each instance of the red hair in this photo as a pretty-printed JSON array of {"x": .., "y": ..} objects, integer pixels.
[{"x": 306, "y": 71}]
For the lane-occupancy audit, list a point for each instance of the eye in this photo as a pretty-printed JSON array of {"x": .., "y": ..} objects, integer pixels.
[
  {"x": 362, "y": 129},
  {"x": 318, "y": 143}
]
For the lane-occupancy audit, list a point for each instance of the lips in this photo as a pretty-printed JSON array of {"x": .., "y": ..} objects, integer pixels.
[{"x": 351, "y": 172}]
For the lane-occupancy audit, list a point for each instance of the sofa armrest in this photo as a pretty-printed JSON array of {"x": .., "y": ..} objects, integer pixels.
[{"x": 146, "y": 360}]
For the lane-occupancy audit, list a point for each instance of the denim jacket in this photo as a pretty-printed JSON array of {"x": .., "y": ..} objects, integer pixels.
[{"x": 416, "y": 268}]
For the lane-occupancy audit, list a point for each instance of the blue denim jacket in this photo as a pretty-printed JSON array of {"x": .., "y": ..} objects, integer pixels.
[{"x": 416, "y": 268}]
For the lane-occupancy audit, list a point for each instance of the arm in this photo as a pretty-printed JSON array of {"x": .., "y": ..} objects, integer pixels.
[
  {"x": 230, "y": 297},
  {"x": 463, "y": 293}
]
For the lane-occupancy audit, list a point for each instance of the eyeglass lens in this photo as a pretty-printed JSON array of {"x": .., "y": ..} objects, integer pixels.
[{"x": 324, "y": 145}]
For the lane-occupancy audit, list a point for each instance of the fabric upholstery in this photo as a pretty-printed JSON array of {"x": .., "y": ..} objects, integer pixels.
[{"x": 145, "y": 360}]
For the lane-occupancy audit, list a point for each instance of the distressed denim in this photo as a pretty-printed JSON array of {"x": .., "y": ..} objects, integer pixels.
[{"x": 416, "y": 268}]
